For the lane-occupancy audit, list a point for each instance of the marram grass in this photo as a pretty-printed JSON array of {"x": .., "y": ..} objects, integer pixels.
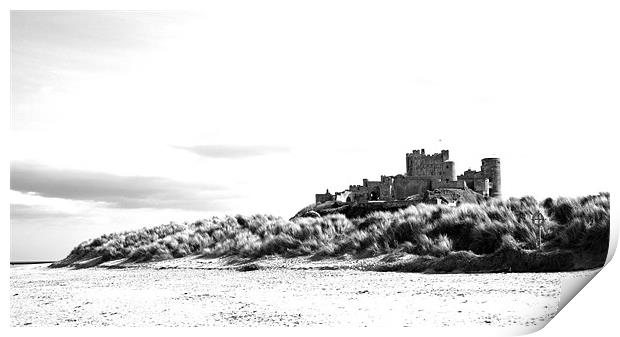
[{"x": 495, "y": 235}]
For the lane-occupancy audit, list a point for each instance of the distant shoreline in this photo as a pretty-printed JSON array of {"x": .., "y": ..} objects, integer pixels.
[{"x": 31, "y": 262}]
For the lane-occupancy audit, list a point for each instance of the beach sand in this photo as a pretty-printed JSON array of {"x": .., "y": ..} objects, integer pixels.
[{"x": 210, "y": 292}]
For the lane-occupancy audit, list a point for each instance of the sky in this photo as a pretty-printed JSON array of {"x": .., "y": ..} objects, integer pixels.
[{"x": 126, "y": 119}]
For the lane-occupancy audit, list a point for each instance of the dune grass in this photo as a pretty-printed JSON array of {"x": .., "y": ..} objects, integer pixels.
[{"x": 436, "y": 232}]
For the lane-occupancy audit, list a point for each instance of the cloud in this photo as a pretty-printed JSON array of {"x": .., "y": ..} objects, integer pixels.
[
  {"x": 117, "y": 191},
  {"x": 50, "y": 49},
  {"x": 91, "y": 30},
  {"x": 233, "y": 151},
  {"x": 34, "y": 212}
]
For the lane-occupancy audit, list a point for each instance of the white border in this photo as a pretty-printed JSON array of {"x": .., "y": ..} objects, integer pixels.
[{"x": 592, "y": 312}]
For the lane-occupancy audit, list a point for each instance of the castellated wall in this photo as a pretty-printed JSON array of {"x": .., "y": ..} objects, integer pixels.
[
  {"x": 434, "y": 166},
  {"x": 357, "y": 193}
]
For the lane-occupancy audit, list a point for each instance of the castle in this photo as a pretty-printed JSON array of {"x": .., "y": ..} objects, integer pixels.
[{"x": 424, "y": 173}]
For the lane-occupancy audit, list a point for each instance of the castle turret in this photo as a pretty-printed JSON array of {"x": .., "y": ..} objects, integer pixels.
[
  {"x": 491, "y": 170},
  {"x": 449, "y": 173}
]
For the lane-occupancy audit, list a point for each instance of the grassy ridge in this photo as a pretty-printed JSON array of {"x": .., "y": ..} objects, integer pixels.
[{"x": 494, "y": 235}]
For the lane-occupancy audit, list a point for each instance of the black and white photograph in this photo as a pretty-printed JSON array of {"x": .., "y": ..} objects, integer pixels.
[{"x": 310, "y": 164}]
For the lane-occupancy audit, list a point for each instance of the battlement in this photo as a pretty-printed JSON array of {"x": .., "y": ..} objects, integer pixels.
[{"x": 421, "y": 154}]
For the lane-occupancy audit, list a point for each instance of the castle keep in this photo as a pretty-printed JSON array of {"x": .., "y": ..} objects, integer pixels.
[{"x": 424, "y": 173}]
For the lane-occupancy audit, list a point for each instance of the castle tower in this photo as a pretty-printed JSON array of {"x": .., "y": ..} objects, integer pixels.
[
  {"x": 432, "y": 166},
  {"x": 491, "y": 170},
  {"x": 449, "y": 171}
]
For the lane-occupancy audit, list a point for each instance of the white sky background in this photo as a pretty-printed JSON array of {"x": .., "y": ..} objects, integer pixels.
[{"x": 127, "y": 119}]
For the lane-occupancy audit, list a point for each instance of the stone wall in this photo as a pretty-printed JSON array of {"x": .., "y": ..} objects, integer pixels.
[
  {"x": 435, "y": 166},
  {"x": 323, "y": 197},
  {"x": 476, "y": 180},
  {"x": 482, "y": 186},
  {"x": 380, "y": 190},
  {"x": 405, "y": 186},
  {"x": 448, "y": 184},
  {"x": 357, "y": 193}
]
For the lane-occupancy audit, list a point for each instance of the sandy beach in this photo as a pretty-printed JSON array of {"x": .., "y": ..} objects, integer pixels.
[{"x": 185, "y": 292}]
